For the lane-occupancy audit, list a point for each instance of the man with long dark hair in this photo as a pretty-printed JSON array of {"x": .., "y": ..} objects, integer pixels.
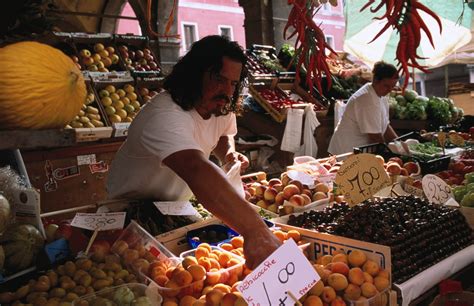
[{"x": 166, "y": 154}]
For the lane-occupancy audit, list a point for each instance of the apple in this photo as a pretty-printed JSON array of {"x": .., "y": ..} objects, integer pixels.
[
  {"x": 153, "y": 65},
  {"x": 140, "y": 54},
  {"x": 111, "y": 50},
  {"x": 458, "y": 167},
  {"x": 64, "y": 230},
  {"x": 98, "y": 47},
  {"x": 398, "y": 160}
]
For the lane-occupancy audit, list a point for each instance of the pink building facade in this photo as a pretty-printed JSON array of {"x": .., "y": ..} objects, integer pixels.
[{"x": 332, "y": 23}]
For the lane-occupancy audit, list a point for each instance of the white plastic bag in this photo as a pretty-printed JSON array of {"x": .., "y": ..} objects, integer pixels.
[
  {"x": 234, "y": 178},
  {"x": 311, "y": 122},
  {"x": 291, "y": 141}
]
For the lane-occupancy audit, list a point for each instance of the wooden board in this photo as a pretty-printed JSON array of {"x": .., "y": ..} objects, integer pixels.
[{"x": 36, "y": 139}]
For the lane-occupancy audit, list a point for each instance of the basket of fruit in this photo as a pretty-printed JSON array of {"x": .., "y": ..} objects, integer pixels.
[
  {"x": 96, "y": 52},
  {"x": 137, "y": 55}
]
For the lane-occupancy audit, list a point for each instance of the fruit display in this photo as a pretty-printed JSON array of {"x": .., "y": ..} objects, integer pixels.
[
  {"x": 138, "y": 59},
  {"x": 21, "y": 243},
  {"x": 419, "y": 234},
  {"x": 41, "y": 87},
  {"x": 455, "y": 173},
  {"x": 275, "y": 97},
  {"x": 124, "y": 295},
  {"x": 120, "y": 101},
  {"x": 99, "y": 57},
  {"x": 146, "y": 93},
  {"x": 348, "y": 279},
  {"x": 464, "y": 195},
  {"x": 255, "y": 68},
  {"x": 89, "y": 115}
]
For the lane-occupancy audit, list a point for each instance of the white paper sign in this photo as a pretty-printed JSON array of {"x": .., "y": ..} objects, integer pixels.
[
  {"x": 121, "y": 129},
  {"x": 303, "y": 177},
  {"x": 436, "y": 190},
  {"x": 99, "y": 221},
  {"x": 86, "y": 159},
  {"x": 178, "y": 208},
  {"x": 287, "y": 269}
]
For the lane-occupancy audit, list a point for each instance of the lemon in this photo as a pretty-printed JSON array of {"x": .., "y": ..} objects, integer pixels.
[
  {"x": 122, "y": 113},
  {"x": 136, "y": 105},
  {"x": 132, "y": 96},
  {"x": 106, "y": 101},
  {"x": 114, "y": 96},
  {"x": 125, "y": 100},
  {"x": 129, "y": 88},
  {"x": 115, "y": 118},
  {"x": 110, "y": 88},
  {"x": 129, "y": 108},
  {"x": 118, "y": 104},
  {"x": 110, "y": 110}
]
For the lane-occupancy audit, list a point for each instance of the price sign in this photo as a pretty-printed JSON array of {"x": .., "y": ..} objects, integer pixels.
[
  {"x": 456, "y": 140},
  {"x": 99, "y": 221},
  {"x": 436, "y": 190},
  {"x": 360, "y": 177},
  {"x": 121, "y": 129},
  {"x": 178, "y": 208},
  {"x": 442, "y": 139},
  {"x": 285, "y": 275}
]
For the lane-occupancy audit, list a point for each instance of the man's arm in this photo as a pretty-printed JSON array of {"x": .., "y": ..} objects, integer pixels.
[
  {"x": 376, "y": 138},
  {"x": 225, "y": 152},
  {"x": 390, "y": 134},
  {"x": 212, "y": 189}
]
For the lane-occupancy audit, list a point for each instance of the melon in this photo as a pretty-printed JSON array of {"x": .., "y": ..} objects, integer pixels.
[
  {"x": 21, "y": 243},
  {"x": 40, "y": 86},
  {"x": 5, "y": 212}
]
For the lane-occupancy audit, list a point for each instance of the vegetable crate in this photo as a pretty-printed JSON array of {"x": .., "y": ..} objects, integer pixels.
[
  {"x": 274, "y": 100},
  {"x": 292, "y": 88}
]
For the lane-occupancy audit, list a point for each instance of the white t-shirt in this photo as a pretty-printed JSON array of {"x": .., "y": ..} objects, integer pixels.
[
  {"x": 160, "y": 129},
  {"x": 366, "y": 113}
]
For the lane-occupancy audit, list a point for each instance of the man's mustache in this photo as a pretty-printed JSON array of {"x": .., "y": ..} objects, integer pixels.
[{"x": 222, "y": 97}]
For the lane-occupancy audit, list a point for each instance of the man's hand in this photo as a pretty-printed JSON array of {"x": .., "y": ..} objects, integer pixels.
[
  {"x": 258, "y": 245},
  {"x": 233, "y": 157}
]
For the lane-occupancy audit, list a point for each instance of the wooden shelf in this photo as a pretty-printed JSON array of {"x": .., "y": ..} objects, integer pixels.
[{"x": 36, "y": 139}]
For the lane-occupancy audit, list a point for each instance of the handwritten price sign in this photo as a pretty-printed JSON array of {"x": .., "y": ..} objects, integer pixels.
[
  {"x": 360, "y": 177},
  {"x": 286, "y": 272},
  {"x": 178, "y": 208},
  {"x": 436, "y": 190},
  {"x": 99, "y": 221}
]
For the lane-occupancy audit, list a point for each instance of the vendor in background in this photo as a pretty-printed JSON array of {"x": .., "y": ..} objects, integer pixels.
[
  {"x": 366, "y": 117},
  {"x": 166, "y": 154}
]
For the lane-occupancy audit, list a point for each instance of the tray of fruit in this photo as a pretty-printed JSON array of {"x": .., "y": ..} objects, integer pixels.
[
  {"x": 96, "y": 52},
  {"x": 148, "y": 87},
  {"x": 137, "y": 55}
]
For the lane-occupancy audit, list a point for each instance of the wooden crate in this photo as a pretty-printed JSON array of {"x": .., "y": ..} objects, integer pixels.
[
  {"x": 278, "y": 116},
  {"x": 305, "y": 96}
]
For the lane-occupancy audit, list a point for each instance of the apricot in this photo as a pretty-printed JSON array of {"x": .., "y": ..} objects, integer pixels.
[
  {"x": 234, "y": 286},
  {"x": 338, "y": 301},
  {"x": 371, "y": 267},
  {"x": 213, "y": 277},
  {"x": 222, "y": 287},
  {"x": 189, "y": 260},
  {"x": 356, "y": 258},
  {"x": 317, "y": 288},
  {"x": 328, "y": 294},
  {"x": 269, "y": 194},
  {"x": 326, "y": 259},
  {"x": 172, "y": 289},
  {"x": 290, "y": 190},
  {"x": 187, "y": 300},
  {"x": 280, "y": 235},
  {"x": 183, "y": 278},
  {"x": 237, "y": 242},
  {"x": 227, "y": 246},
  {"x": 214, "y": 297},
  {"x": 224, "y": 259},
  {"x": 201, "y": 252},
  {"x": 321, "y": 187},
  {"x": 352, "y": 292},
  {"x": 368, "y": 290},
  {"x": 129, "y": 256},
  {"x": 356, "y": 276},
  {"x": 338, "y": 267},
  {"x": 313, "y": 300},
  {"x": 368, "y": 278},
  {"x": 338, "y": 281},
  {"x": 294, "y": 234},
  {"x": 384, "y": 273},
  {"x": 214, "y": 256},
  {"x": 205, "y": 263},
  {"x": 306, "y": 198},
  {"x": 297, "y": 200},
  {"x": 120, "y": 247},
  {"x": 381, "y": 283},
  {"x": 160, "y": 280},
  {"x": 169, "y": 303},
  {"x": 323, "y": 273},
  {"x": 341, "y": 257},
  {"x": 214, "y": 263},
  {"x": 319, "y": 196}
]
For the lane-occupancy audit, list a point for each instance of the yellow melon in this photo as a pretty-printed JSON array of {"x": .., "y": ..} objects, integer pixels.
[{"x": 40, "y": 87}]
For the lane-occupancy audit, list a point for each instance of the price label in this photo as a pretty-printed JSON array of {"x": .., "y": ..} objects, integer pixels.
[
  {"x": 456, "y": 140},
  {"x": 436, "y": 190},
  {"x": 121, "y": 129},
  {"x": 86, "y": 159},
  {"x": 284, "y": 274},
  {"x": 442, "y": 139},
  {"x": 99, "y": 221},
  {"x": 177, "y": 208},
  {"x": 360, "y": 177}
]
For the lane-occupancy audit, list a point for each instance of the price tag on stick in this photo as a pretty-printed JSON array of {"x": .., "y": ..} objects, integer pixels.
[
  {"x": 178, "y": 208},
  {"x": 281, "y": 279},
  {"x": 442, "y": 140},
  {"x": 436, "y": 190},
  {"x": 99, "y": 221},
  {"x": 360, "y": 177}
]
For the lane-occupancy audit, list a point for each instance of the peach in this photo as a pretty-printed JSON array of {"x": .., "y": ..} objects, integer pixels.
[
  {"x": 307, "y": 199},
  {"x": 169, "y": 303},
  {"x": 213, "y": 277},
  {"x": 356, "y": 276},
  {"x": 273, "y": 182},
  {"x": 328, "y": 294},
  {"x": 397, "y": 160},
  {"x": 278, "y": 187},
  {"x": 384, "y": 273},
  {"x": 371, "y": 267},
  {"x": 222, "y": 287},
  {"x": 340, "y": 258},
  {"x": 403, "y": 172},
  {"x": 352, "y": 292},
  {"x": 323, "y": 273},
  {"x": 189, "y": 260},
  {"x": 286, "y": 210},
  {"x": 368, "y": 290},
  {"x": 313, "y": 300},
  {"x": 356, "y": 258},
  {"x": 338, "y": 301},
  {"x": 214, "y": 297},
  {"x": 339, "y": 267},
  {"x": 411, "y": 167},
  {"x": 187, "y": 300},
  {"x": 183, "y": 278},
  {"x": 229, "y": 299},
  {"x": 260, "y": 190},
  {"x": 326, "y": 259},
  {"x": 321, "y": 187},
  {"x": 270, "y": 194},
  {"x": 393, "y": 168},
  {"x": 338, "y": 281},
  {"x": 319, "y": 196},
  {"x": 273, "y": 208},
  {"x": 361, "y": 301},
  {"x": 251, "y": 190},
  {"x": 290, "y": 190},
  {"x": 206, "y": 289},
  {"x": 263, "y": 204},
  {"x": 307, "y": 192},
  {"x": 368, "y": 278},
  {"x": 234, "y": 286},
  {"x": 297, "y": 184},
  {"x": 381, "y": 283},
  {"x": 172, "y": 289},
  {"x": 205, "y": 263},
  {"x": 297, "y": 200},
  {"x": 317, "y": 288},
  {"x": 293, "y": 234},
  {"x": 240, "y": 300},
  {"x": 280, "y": 198}
]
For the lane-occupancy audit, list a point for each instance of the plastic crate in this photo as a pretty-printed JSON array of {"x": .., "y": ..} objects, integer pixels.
[
  {"x": 377, "y": 149},
  {"x": 434, "y": 165}
]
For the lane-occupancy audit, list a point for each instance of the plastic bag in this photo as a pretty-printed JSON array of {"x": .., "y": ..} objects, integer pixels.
[
  {"x": 311, "y": 122},
  {"x": 234, "y": 178},
  {"x": 291, "y": 141}
]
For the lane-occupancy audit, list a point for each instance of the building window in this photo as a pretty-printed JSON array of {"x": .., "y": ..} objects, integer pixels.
[
  {"x": 189, "y": 35},
  {"x": 226, "y": 31},
  {"x": 329, "y": 40}
]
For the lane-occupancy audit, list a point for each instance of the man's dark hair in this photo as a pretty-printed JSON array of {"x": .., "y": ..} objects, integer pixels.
[
  {"x": 186, "y": 79},
  {"x": 383, "y": 70}
]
